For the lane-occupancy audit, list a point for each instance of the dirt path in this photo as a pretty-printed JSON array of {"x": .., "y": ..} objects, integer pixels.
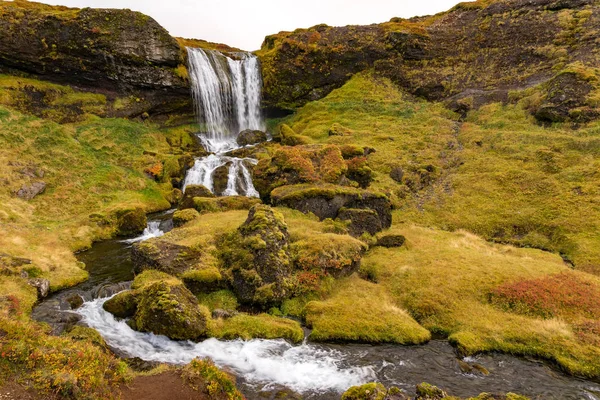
[{"x": 165, "y": 386}]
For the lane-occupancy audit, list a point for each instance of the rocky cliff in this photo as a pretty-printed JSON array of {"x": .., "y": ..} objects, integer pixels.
[{"x": 477, "y": 51}]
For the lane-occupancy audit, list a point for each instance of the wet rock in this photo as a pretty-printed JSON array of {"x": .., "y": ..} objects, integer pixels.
[
  {"x": 164, "y": 256},
  {"x": 172, "y": 310},
  {"x": 122, "y": 305},
  {"x": 139, "y": 365},
  {"x": 391, "y": 241},
  {"x": 257, "y": 257},
  {"x": 192, "y": 191},
  {"x": 42, "y": 286},
  {"x": 181, "y": 217},
  {"x": 131, "y": 221},
  {"x": 425, "y": 391},
  {"x": 361, "y": 220},
  {"x": 325, "y": 201},
  {"x": 28, "y": 192},
  {"x": 220, "y": 179},
  {"x": 75, "y": 301},
  {"x": 249, "y": 137}
]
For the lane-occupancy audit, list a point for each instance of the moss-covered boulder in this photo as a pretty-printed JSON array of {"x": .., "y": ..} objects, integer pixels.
[
  {"x": 326, "y": 201},
  {"x": 122, "y": 305},
  {"x": 169, "y": 309},
  {"x": 205, "y": 280},
  {"x": 181, "y": 217},
  {"x": 249, "y": 137},
  {"x": 425, "y": 391},
  {"x": 227, "y": 203},
  {"x": 391, "y": 240},
  {"x": 368, "y": 391},
  {"x": 131, "y": 221},
  {"x": 328, "y": 254},
  {"x": 361, "y": 220},
  {"x": 256, "y": 257},
  {"x": 288, "y": 137},
  {"x": 163, "y": 255},
  {"x": 192, "y": 191}
]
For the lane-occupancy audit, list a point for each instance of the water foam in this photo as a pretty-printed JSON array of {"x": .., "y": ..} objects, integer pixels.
[
  {"x": 305, "y": 369},
  {"x": 152, "y": 230}
]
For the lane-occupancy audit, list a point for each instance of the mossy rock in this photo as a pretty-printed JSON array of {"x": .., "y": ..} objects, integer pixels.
[
  {"x": 170, "y": 310},
  {"x": 204, "y": 280},
  {"x": 425, "y": 391},
  {"x": 368, "y": 391},
  {"x": 192, "y": 191},
  {"x": 163, "y": 255},
  {"x": 227, "y": 203},
  {"x": 85, "y": 334},
  {"x": 212, "y": 382},
  {"x": 361, "y": 221},
  {"x": 181, "y": 217},
  {"x": 326, "y": 201},
  {"x": 131, "y": 221},
  {"x": 122, "y": 305},
  {"x": 288, "y": 137},
  {"x": 391, "y": 241},
  {"x": 339, "y": 130},
  {"x": 256, "y": 257}
]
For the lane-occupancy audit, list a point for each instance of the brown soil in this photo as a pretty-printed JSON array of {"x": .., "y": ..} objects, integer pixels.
[
  {"x": 165, "y": 386},
  {"x": 14, "y": 391}
]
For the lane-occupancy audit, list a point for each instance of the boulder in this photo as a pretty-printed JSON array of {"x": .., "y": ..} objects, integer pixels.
[
  {"x": 75, "y": 301},
  {"x": 256, "y": 257},
  {"x": 28, "y": 192},
  {"x": 227, "y": 203},
  {"x": 425, "y": 391},
  {"x": 192, "y": 191},
  {"x": 171, "y": 310},
  {"x": 131, "y": 221},
  {"x": 391, "y": 241},
  {"x": 164, "y": 256},
  {"x": 42, "y": 286},
  {"x": 361, "y": 220},
  {"x": 326, "y": 201},
  {"x": 181, "y": 217},
  {"x": 204, "y": 280},
  {"x": 368, "y": 391},
  {"x": 249, "y": 137},
  {"x": 220, "y": 179},
  {"x": 121, "y": 305}
]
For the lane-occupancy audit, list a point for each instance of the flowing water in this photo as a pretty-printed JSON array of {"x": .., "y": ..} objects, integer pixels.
[{"x": 227, "y": 92}]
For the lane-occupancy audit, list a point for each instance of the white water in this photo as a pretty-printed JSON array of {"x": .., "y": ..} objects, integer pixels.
[
  {"x": 151, "y": 231},
  {"x": 305, "y": 368},
  {"x": 227, "y": 94}
]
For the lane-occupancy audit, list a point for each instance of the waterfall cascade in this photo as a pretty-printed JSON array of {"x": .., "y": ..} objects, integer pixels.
[{"x": 226, "y": 93}]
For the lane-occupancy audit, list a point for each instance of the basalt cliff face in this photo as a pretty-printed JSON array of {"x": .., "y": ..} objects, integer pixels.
[{"x": 477, "y": 51}]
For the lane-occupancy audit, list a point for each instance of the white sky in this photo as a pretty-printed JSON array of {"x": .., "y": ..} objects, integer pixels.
[{"x": 245, "y": 23}]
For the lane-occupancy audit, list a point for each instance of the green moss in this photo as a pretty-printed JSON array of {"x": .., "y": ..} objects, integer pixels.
[
  {"x": 181, "y": 217},
  {"x": 205, "y": 377},
  {"x": 218, "y": 204},
  {"x": 88, "y": 335},
  {"x": 150, "y": 276},
  {"x": 122, "y": 305},
  {"x": 262, "y": 326},
  {"x": 222, "y": 299},
  {"x": 368, "y": 391}
]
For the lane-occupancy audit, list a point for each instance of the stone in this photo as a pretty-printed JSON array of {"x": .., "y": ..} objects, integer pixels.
[
  {"x": 391, "y": 241},
  {"x": 162, "y": 255},
  {"x": 250, "y": 137},
  {"x": 75, "y": 301},
  {"x": 122, "y": 305},
  {"x": 181, "y": 217},
  {"x": 42, "y": 286},
  {"x": 192, "y": 191},
  {"x": 397, "y": 173},
  {"x": 28, "y": 192},
  {"x": 361, "y": 221},
  {"x": 131, "y": 221},
  {"x": 368, "y": 391}
]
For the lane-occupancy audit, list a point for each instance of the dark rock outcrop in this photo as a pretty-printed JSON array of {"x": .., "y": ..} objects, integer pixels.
[
  {"x": 565, "y": 99},
  {"x": 250, "y": 136},
  {"x": 391, "y": 241},
  {"x": 120, "y": 53},
  {"x": 360, "y": 220},
  {"x": 326, "y": 201},
  {"x": 517, "y": 43}
]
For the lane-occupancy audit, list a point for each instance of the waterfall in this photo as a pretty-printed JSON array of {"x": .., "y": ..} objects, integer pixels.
[{"x": 227, "y": 93}]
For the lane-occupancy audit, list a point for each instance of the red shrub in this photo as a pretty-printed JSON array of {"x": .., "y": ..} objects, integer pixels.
[{"x": 566, "y": 295}]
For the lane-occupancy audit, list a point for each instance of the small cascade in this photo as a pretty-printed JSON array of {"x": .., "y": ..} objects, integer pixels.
[
  {"x": 152, "y": 230},
  {"x": 227, "y": 95}
]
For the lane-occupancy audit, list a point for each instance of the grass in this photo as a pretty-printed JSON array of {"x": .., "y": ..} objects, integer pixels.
[
  {"x": 261, "y": 326},
  {"x": 360, "y": 311}
]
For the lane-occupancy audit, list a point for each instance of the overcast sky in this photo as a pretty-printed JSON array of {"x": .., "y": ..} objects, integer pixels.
[{"x": 245, "y": 23}]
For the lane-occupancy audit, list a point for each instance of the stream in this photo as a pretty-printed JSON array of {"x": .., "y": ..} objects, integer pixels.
[{"x": 266, "y": 368}]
